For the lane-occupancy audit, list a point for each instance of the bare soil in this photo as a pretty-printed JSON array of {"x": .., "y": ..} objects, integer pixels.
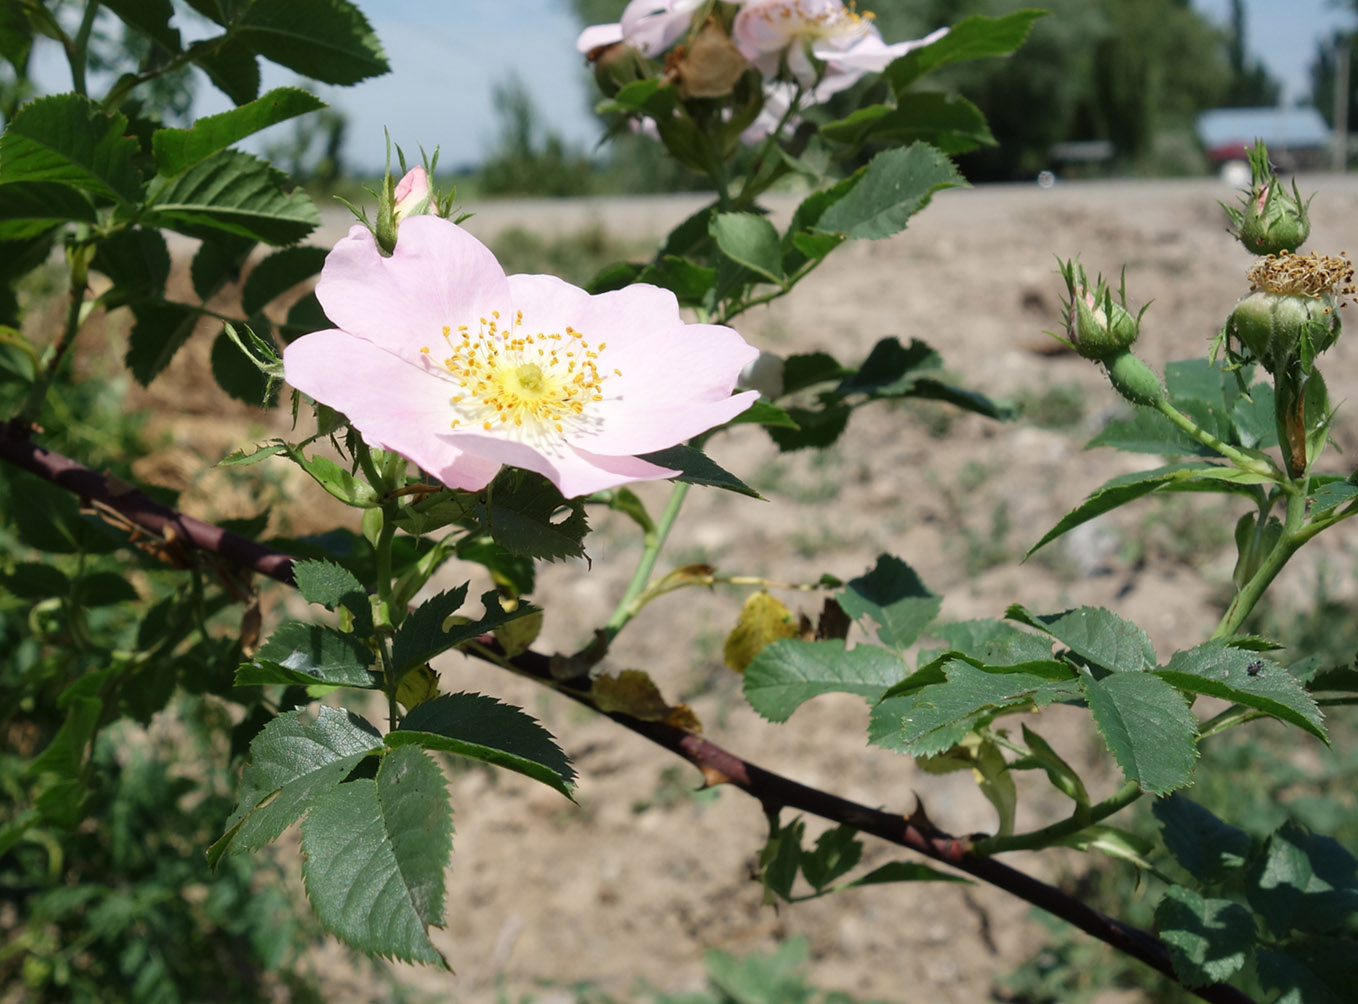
[{"x": 633, "y": 881}]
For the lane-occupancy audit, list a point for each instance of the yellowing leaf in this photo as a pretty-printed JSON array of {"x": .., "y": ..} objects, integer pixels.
[
  {"x": 634, "y": 693},
  {"x": 515, "y": 636},
  {"x": 420, "y": 684},
  {"x": 763, "y": 620}
]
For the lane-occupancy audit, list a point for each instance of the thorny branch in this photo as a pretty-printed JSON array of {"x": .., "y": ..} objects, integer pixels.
[{"x": 718, "y": 765}]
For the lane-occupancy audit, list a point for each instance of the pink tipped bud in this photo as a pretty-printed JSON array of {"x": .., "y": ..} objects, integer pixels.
[{"x": 412, "y": 194}]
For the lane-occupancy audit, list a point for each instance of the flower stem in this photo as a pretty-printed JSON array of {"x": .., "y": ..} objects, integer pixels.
[
  {"x": 1293, "y": 536},
  {"x": 1049, "y": 835},
  {"x": 627, "y": 606},
  {"x": 1246, "y": 463}
]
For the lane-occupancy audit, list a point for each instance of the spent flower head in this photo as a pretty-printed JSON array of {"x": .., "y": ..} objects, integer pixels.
[
  {"x": 1269, "y": 220},
  {"x": 439, "y": 356},
  {"x": 1293, "y": 309}
]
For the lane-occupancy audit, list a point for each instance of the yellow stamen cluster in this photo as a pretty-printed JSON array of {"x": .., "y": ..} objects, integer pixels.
[
  {"x": 1312, "y": 275},
  {"x": 527, "y": 384}
]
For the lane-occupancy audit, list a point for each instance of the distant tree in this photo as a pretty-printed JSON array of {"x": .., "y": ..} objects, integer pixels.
[
  {"x": 1324, "y": 66},
  {"x": 1251, "y": 84},
  {"x": 529, "y": 158}
]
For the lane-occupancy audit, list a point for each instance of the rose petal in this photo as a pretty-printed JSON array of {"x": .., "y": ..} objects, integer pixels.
[
  {"x": 438, "y": 275},
  {"x": 575, "y": 472},
  {"x": 395, "y": 405}
]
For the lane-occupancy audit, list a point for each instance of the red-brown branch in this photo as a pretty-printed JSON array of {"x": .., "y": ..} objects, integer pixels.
[{"x": 772, "y": 790}]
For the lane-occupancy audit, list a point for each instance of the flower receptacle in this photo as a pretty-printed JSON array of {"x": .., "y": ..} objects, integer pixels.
[
  {"x": 1269, "y": 220},
  {"x": 1097, "y": 326}
]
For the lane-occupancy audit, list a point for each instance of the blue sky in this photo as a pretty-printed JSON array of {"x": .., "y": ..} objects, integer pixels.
[{"x": 446, "y": 58}]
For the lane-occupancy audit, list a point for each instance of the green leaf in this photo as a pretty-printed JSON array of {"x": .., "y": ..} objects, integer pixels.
[
  {"x": 50, "y": 519},
  {"x": 994, "y": 643},
  {"x": 527, "y": 515},
  {"x": 239, "y": 458},
  {"x": 893, "y": 596},
  {"x": 30, "y": 208},
  {"x": 480, "y": 727},
  {"x": 687, "y": 280},
  {"x": 891, "y": 369},
  {"x": 326, "y": 40},
  {"x": 1206, "y": 847},
  {"x": 161, "y": 329},
  {"x": 894, "y": 186},
  {"x": 935, "y": 717},
  {"x": 102, "y": 589},
  {"x": 788, "y": 673},
  {"x": 1208, "y": 939},
  {"x": 1332, "y": 495},
  {"x": 421, "y": 636},
  {"x": 32, "y": 580},
  {"x": 230, "y": 65},
  {"x": 66, "y": 138},
  {"x": 1095, "y": 634},
  {"x": 150, "y": 18},
  {"x": 815, "y": 428},
  {"x": 763, "y": 413},
  {"x": 1313, "y": 970},
  {"x": 811, "y": 368},
  {"x": 1147, "y": 726},
  {"x": 238, "y": 376},
  {"x": 374, "y": 852},
  {"x": 292, "y": 761},
  {"x": 1254, "y": 417},
  {"x": 138, "y": 262},
  {"x": 1148, "y": 431},
  {"x": 780, "y": 859},
  {"x": 177, "y": 150},
  {"x": 1303, "y": 882},
  {"x": 333, "y": 586},
  {"x": 1220, "y": 670},
  {"x": 947, "y": 121},
  {"x": 1193, "y": 477},
  {"x": 750, "y": 240},
  {"x": 235, "y": 193},
  {"x": 64, "y": 756},
  {"x": 1062, "y": 776},
  {"x": 217, "y": 262},
  {"x": 336, "y": 480},
  {"x": 307, "y": 654},
  {"x": 975, "y": 37},
  {"x": 697, "y": 468},
  {"x": 837, "y": 852}
]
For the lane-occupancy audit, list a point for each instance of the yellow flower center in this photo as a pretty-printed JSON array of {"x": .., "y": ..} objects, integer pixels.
[
  {"x": 1310, "y": 275},
  {"x": 530, "y": 385},
  {"x": 829, "y": 22}
]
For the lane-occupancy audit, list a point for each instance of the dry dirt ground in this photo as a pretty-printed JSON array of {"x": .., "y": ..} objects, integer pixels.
[{"x": 638, "y": 877}]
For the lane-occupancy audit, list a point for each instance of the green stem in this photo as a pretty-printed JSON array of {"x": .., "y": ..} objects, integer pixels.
[
  {"x": 627, "y": 606},
  {"x": 1294, "y": 534},
  {"x": 1049, "y": 835},
  {"x": 1254, "y": 465},
  {"x": 78, "y": 257},
  {"x": 77, "y": 50}
]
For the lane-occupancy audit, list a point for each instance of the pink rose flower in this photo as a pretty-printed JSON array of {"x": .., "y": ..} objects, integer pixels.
[
  {"x": 649, "y": 26},
  {"x": 826, "y": 31},
  {"x": 412, "y": 194},
  {"x": 439, "y": 356}
]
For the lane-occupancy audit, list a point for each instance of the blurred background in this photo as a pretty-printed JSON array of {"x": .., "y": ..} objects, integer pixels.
[{"x": 1103, "y": 89}]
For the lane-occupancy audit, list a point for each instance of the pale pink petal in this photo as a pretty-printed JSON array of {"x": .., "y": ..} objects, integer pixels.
[
  {"x": 411, "y": 193},
  {"x": 598, "y": 35},
  {"x": 575, "y": 472},
  {"x": 870, "y": 54},
  {"x": 652, "y": 26},
  {"x": 639, "y": 312},
  {"x": 395, "y": 405},
  {"x": 438, "y": 275}
]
